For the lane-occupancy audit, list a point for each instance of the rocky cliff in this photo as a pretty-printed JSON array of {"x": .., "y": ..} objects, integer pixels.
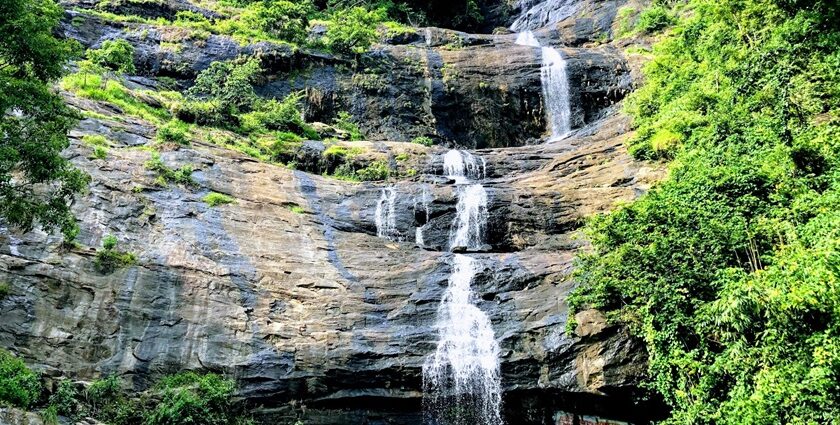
[{"x": 289, "y": 289}]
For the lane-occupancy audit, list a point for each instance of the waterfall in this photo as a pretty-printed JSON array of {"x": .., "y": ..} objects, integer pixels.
[
  {"x": 386, "y": 217},
  {"x": 470, "y": 223},
  {"x": 463, "y": 166},
  {"x": 555, "y": 86},
  {"x": 461, "y": 380}
]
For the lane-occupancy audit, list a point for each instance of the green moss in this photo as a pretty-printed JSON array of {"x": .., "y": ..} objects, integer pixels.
[
  {"x": 99, "y": 152},
  {"x": 214, "y": 199},
  {"x": 5, "y": 290},
  {"x": 95, "y": 140},
  {"x": 295, "y": 208}
]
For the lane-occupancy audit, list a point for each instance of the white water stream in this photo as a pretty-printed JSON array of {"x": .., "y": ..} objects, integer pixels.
[
  {"x": 461, "y": 379},
  {"x": 555, "y": 86},
  {"x": 386, "y": 217}
]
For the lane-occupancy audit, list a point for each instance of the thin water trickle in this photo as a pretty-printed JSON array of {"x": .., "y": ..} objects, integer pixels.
[
  {"x": 386, "y": 217},
  {"x": 555, "y": 86},
  {"x": 423, "y": 201}
]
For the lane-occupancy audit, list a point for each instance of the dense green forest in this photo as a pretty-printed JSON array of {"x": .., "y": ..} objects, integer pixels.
[{"x": 729, "y": 268}]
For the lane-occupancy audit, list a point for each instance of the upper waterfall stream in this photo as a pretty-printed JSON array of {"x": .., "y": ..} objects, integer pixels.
[{"x": 555, "y": 86}]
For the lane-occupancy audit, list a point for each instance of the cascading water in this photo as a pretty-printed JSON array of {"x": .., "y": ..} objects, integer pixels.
[
  {"x": 463, "y": 166},
  {"x": 461, "y": 380},
  {"x": 555, "y": 86},
  {"x": 386, "y": 217},
  {"x": 470, "y": 223}
]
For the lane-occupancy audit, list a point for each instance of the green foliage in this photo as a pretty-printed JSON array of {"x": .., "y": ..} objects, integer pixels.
[
  {"x": 280, "y": 19},
  {"x": 115, "y": 55},
  {"x": 95, "y": 140},
  {"x": 344, "y": 121},
  {"x": 228, "y": 86},
  {"x": 19, "y": 386},
  {"x": 353, "y": 30},
  {"x": 214, "y": 199},
  {"x": 105, "y": 400},
  {"x": 36, "y": 182},
  {"x": 175, "y": 131},
  {"x": 276, "y": 115},
  {"x": 423, "y": 140},
  {"x": 190, "y": 398},
  {"x": 97, "y": 87},
  {"x": 377, "y": 170},
  {"x": 109, "y": 258},
  {"x": 166, "y": 175},
  {"x": 729, "y": 269},
  {"x": 654, "y": 19},
  {"x": 99, "y": 152},
  {"x": 5, "y": 290},
  {"x": 63, "y": 400}
]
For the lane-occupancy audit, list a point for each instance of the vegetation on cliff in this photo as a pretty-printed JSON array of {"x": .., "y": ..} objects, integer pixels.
[
  {"x": 729, "y": 268},
  {"x": 183, "y": 398},
  {"x": 36, "y": 182}
]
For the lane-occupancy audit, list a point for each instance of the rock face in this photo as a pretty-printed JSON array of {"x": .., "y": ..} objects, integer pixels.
[{"x": 290, "y": 291}]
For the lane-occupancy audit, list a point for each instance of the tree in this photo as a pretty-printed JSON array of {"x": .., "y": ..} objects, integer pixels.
[
  {"x": 226, "y": 85},
  {"x": 115, "y": 55},
  {"x": 36, "y": 182}
]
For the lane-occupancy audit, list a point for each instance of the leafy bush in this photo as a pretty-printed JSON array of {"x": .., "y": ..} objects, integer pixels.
[
  {"x": 281, "y": 19},
  {"x": 423, "y": 140},
  {"x": 377, "y": 170},
  {"x": 353, "y": 30},
  {"x": 19, "y": 386},
  {"x": 275, "y": 115},
  {"x": 166, "y": 175},
  {"x": 116, "y": 55},
  {"x": 200, "y": 112},
  {"x": 109, "y": 259},
  {"x": 190, "y": 398},
  {"x": 99, "y": 152},
  {"x": 228, "y": 85},
  {"x": 63, "y": 400},
  {"x": 654, "y": 19},
  {"x": 344, "y": 121},
  {"x": 214, "y": 199},
  {"x": 175, "y": 131},
  {"x": 728, "y": 269}
]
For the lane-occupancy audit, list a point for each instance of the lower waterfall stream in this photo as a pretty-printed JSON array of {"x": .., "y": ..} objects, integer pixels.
[{"x": 461, "y": 379}]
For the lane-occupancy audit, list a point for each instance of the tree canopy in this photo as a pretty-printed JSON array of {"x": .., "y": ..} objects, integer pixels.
[{"x": 36, "y": 182}]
